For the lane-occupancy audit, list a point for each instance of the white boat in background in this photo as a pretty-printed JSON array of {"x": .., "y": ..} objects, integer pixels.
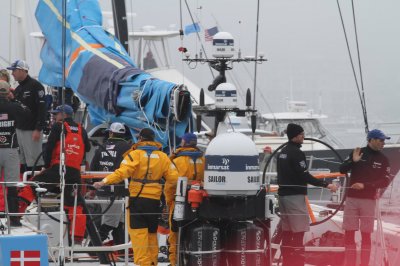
[
  {"x": 271, "y": 128},
  {"x": 298, "y": 113}
]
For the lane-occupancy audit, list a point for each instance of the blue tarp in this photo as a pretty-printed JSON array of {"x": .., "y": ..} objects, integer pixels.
[{"x": 100, "y": 71}]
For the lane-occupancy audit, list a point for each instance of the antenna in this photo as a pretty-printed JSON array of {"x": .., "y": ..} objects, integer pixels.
[{"x": 256, "y": 56}]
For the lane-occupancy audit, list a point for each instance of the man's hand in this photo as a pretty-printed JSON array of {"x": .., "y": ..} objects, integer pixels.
[
  {"x": 98, "y": 185},
  {"x": 332, "y": 187},
  {"x": 357, "y": 155},
  {"x": 36, "y": 135},
  {"x": 357, "y": 186}
]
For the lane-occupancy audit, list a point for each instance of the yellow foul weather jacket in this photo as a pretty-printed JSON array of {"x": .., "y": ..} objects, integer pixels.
[
  {"x": 140, "y": 170},
  {"x": 185, "y": 164},
  {"x": 190, "y": 163}
]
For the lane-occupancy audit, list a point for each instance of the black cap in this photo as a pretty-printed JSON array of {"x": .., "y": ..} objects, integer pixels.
[
  {"x": 293, "y": 130},
  {"x": 146, "y": 134}
]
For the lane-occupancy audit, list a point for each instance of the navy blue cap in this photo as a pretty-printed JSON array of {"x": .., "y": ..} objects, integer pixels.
[
  {"x": 377, "y": 134},
  {"x": 66, "y": 109},
  {"x": 190, "y": 139}
]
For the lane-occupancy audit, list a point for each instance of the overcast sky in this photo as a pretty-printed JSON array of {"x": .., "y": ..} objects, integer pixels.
[
  {"x": 304, "y": 43},
  {"x": 302, "y": 39}
]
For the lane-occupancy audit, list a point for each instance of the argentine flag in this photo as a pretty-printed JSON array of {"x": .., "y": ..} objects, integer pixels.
[{"x": 195, "y": 27}]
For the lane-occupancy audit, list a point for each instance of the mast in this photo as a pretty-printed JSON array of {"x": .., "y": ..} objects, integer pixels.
[
  {"x": 17, "y": 37},
  {"x": 120, "y": 22}
]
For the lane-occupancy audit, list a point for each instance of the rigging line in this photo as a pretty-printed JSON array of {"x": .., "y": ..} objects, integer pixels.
[
  {"x": 256, "y": 54},
  {"x": 10, "y": 32},
  {"x": 181, "y": 39},
  {"x": 198, "y": 37},
  {"x": 180, "y": 19},
  {"x": 360, "y": 69},
  {"x": 351, "y": 59},
  {"x": 197, "y": 19}
]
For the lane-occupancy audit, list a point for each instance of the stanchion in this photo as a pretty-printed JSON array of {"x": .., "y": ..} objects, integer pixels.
[
  {"x": 75, "y": 190},
  {"x": 7, "y": 212}
]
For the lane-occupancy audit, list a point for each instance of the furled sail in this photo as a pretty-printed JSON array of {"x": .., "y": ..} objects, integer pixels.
[{"x": 101, "y": 73}]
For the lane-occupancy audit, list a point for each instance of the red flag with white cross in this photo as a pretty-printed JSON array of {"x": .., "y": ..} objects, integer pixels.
[{"x": 25, "y": 258}]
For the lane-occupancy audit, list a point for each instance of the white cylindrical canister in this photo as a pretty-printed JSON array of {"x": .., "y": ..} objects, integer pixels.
[{"x": 181, "y": 188}]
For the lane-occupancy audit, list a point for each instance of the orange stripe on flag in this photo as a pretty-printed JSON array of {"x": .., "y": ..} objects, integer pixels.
[{"x": 77, "y": 51}]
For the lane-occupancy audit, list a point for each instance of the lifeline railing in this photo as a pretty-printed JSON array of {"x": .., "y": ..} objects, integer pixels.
[
  {"x": 38, "y": 189},
  {"x": 84, "y": 175},
  {"x": 90, "y": 175}
]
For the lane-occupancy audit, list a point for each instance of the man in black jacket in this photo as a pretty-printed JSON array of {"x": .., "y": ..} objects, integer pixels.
[
  {"x": 293, "y": 177},
  {"x": 108, "y": 158},
  {"x": 370, "y": 171},
  {"x": 29, "y": 132},
  {"x": 10, "y": 114}
]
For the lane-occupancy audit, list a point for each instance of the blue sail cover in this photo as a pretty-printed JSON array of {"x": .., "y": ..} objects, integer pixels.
[{"x": 100, "y": 71}]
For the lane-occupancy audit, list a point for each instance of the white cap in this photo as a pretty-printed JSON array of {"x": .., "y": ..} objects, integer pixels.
[
  {"x": 19, "y": 64},
  {"x": 117, "y": 127}
]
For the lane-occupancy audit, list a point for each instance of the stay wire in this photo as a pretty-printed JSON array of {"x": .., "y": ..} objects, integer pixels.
[
  {"x": 198, "y": 37},
  {"x": 360, "y": 69},
  {"x": 352, "y": 65},
  {"x": 180, "y": 19}
]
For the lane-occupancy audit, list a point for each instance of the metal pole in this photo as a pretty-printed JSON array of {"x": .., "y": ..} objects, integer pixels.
[
  {"x": 6, "y": 209},
  {"x": 39, "y": 192},
  {"x": 381, "y": 234},
  {"x": 75, "y": 189},
  {"x": 178, "y": 248},
  {"x": 126, "y": 253},
  {"x": 120, "y": 22},
  {"x": 61, "y": 260}
]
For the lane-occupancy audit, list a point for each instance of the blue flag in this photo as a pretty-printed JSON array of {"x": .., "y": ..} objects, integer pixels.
[{"x": 192, "y": 28}]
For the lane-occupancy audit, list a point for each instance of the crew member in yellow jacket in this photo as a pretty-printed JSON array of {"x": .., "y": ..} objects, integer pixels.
[
  {"x": 189, "y": 161},
  {"x": 145, "y": 165}
]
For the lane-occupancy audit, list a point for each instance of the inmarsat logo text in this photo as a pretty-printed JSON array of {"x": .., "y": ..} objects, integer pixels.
[
  {"x": 222, "y": 165},
  {"x": 225, "y": 161}
]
